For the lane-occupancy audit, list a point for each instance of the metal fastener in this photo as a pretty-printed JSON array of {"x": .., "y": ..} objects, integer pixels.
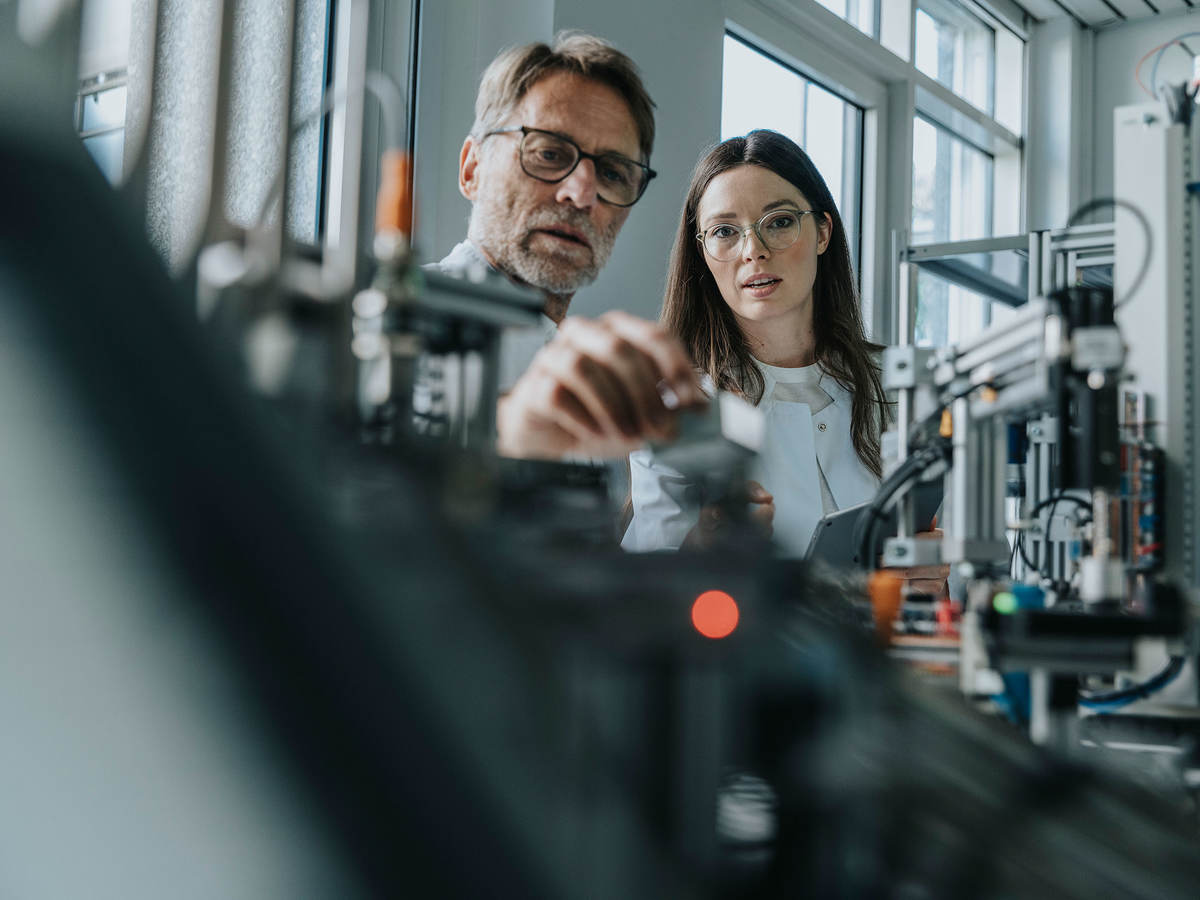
[{"x": 821, "y": 427}]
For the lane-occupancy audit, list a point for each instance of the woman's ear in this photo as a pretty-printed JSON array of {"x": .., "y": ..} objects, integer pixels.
[{"x": 824, "y": 232}]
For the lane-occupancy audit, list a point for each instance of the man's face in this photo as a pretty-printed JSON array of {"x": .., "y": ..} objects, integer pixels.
[{"x": 556, "y": 237}]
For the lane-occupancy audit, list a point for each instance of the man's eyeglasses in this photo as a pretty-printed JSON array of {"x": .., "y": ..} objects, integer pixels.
[
  {"x": 777, "y": 230},
  {"x": 550, "y": 157}
]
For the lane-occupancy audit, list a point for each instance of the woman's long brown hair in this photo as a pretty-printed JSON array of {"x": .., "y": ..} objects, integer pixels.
[{"x": 694, "y": 310}]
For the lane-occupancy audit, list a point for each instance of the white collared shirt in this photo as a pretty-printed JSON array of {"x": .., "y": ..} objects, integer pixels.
[{"x": 808, "y": 453}]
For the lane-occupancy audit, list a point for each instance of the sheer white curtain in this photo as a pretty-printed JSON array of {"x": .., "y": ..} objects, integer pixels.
[{"x": 172, "y": 105}]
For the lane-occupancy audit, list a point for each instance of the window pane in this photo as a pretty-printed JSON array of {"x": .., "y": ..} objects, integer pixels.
[
  {"x": 758, "y": 92},
  {"x": 952, "y": 191},
  {"x": 956, "y": 49},
  {"x": 826, "y": 126},
  {"x": 946, "y": 314},
  {"x": 826, "y": 138},
  {"x": 895, "y": 26},
  {"x": 859, "y": 13},
  {"x": 952, "y": 186},
  {"x": 1010, "y": 59},
  {"x": 104, "y": 109},
  {"x": 108, "y": 151}
]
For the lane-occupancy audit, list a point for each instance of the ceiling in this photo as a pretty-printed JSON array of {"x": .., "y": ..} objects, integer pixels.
[{"x": 1101, "y": 13}]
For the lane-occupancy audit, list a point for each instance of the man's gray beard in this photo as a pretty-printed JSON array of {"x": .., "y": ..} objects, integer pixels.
[{"x": 490, "y": 229}]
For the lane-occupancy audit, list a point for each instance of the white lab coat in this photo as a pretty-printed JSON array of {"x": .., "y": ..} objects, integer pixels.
[{"x": 666, "y": 505}]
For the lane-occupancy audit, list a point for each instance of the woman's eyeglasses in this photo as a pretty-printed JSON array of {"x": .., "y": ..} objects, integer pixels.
[{"x": 777, "y": 230}]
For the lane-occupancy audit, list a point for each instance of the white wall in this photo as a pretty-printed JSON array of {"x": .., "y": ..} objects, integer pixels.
[
  {"x": 1058, "y": 146},
  {"x": 1117, "y": 52},
  {"x": 458, "y": 38},
  {"x": 104, "y": 36},
  {"x": 677, "y": 44}
]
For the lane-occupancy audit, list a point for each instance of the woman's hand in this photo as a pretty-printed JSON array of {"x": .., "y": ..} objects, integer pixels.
[{"x": 714, "y": 522}]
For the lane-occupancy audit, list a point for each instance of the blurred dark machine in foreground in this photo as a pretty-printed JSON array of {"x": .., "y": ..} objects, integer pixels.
[{"x": 245, "y": 657}]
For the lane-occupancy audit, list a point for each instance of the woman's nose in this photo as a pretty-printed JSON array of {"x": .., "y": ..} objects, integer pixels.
[{"x": 753, "y": 246}]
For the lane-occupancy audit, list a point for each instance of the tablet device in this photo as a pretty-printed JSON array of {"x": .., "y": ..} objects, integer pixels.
[{"x": 833, "y": 539}]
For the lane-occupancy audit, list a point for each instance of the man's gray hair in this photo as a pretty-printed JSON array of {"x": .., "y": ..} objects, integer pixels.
[{"x": 516, "y": 70}]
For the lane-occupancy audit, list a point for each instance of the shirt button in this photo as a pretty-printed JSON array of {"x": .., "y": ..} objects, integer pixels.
[{"x": 821, "y": 426}]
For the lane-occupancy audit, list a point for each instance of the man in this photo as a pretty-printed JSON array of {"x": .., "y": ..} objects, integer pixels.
[{"x": 557, "y": 155}]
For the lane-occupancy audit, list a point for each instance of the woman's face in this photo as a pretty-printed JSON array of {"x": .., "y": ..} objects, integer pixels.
[{"x": 760, "y": 284}]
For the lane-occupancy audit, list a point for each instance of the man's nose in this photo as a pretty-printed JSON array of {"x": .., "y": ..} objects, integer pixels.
[{"x": 579, "y": 188}]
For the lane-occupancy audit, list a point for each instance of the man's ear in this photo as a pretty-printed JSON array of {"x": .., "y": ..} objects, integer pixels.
[
  {"x": 824, "y": 232},
  {"x": 468, "y": 169}
]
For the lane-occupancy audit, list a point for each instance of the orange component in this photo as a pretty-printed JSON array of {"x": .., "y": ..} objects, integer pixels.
[
  {"x": 394, "y": 205},
  {"x": 948, "y": 614},
  {"x": 884, "y": 589},
  {"x": 715, "y": 614},
  {"x": 946, "y": 426}
]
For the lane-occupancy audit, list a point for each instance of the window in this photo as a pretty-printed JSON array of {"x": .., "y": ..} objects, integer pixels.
[
  {"x": 934, "y": 63},
  {"x": 114, "y": 87},
  {"x": 100, "y": 120},
  {"x": 760, "y": 92},
  {"x": 859, "y": 13},
  {"x": 952, "y": 186},
  {"x": 956, "y": 49},
  {"x": 951, "y": 201}
]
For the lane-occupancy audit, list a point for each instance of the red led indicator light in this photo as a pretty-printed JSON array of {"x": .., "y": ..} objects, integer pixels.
[{"x": 715, "y": 614}]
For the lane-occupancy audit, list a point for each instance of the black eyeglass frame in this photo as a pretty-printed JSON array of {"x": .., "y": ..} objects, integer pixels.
[
  {"x": 745, "y": 232},
  {"x": 581, "y": 154}
]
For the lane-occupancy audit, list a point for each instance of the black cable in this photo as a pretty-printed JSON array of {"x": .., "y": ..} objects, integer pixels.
[
  {"x": 1025, "y": 559},
  {"x": 1104, "y": 203},
  {"x": 868, "y": 521},
  {"x": 1051, "y": 502},
  {"x": 1046, "y": 536},
  {"x": 1141, "y": 691}
]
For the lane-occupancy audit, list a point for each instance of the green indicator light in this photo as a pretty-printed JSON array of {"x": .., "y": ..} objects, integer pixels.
[{"x": 1005, "y": 603}]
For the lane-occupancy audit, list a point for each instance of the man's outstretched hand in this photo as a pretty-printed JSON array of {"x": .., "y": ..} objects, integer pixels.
[{"x": 600, "y": 389}]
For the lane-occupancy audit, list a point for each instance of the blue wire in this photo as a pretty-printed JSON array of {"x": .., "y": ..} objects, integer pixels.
[
  {"x": 1158, "y": 56},
  {"x": 1118, "y": 699}
]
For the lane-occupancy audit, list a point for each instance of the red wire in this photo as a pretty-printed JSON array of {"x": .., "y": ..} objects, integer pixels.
[{"x": 1137, "y": 69}]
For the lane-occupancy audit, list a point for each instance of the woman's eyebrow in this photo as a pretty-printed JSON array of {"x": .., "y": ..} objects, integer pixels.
[{"x": 774, "y": 204}]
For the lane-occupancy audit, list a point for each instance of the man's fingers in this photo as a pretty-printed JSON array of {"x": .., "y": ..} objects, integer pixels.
[
  {"x": 674, "y": 365},
  {"x": 711, "y": 518},
  {"x": 540, "y": 419},
  {"x": 609, "y": 384},
  {"x": 764, "y": 514},
  {"x": 556, "y": 403},
  {"x": 764, "y": 517},
  {"x": 632, "y": 369},
  {"x": 756, "y": 493},
  {"x": 592, "y": 384}
]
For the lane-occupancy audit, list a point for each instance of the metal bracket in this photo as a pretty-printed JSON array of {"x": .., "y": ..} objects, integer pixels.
[
  {"x": 907, "y": 367},
  {"x": 899, "y": 553},
  {"x": 1043, "y": 431}
]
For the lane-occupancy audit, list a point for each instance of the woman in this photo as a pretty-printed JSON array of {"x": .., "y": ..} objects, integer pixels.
[{"x": 761, "y": 291}]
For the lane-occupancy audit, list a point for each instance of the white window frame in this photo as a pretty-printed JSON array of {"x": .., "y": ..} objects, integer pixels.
[
  {"x": 851, "y": 153},
  {"x": 891, "y": 91}
]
